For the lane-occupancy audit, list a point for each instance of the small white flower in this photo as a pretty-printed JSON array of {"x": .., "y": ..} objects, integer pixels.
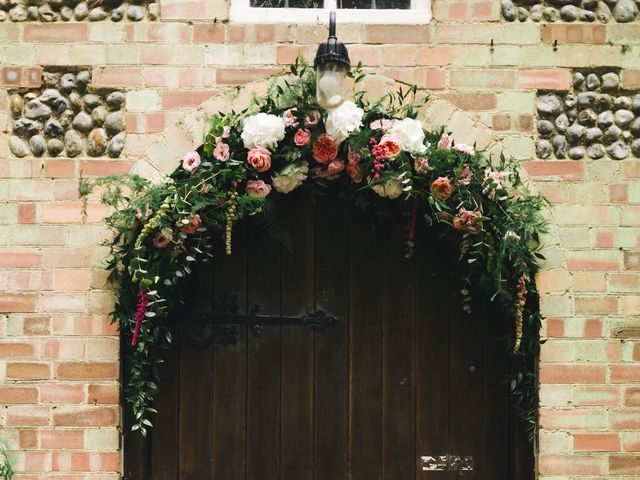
[
  {"x": 410, "y": 133},
  {"x": 291, "y": 177},
  {"x": 344, "y": 120},
  {"x": 262, "y": 131}
]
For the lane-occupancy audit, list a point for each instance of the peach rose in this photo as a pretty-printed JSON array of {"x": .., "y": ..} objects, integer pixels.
[
  {"x": 302, "y": 137},
  {"x": 468, "y": 221},
  {"x": 191, "y": 162},
  {"x": 260, "y": 159},
  {"x": 389, "y": 146},
  {"x": 325, "y": 149},
  {"x": 445, "y": 141},
  {"x": 421, "y": 165},
  {"x": 257, "y": 188},
  {"x": 192, "y": 226},
  {"x": 441, "y": 188}
]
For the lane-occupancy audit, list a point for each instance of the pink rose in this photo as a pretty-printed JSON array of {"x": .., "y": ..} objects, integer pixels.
[
  {"x": 382, "y": 124},
  {"x": 192, "y": 226},
  {"x": 163, "y": 238},
  {"x": 221, "y": 152},
  {"x": 260, "y": 159},
  {"x": 441, "y": 188},
  {"x": 290, "y": 120},
  {"x": 191, "y": 162},
  {"x": 312, "y": 119},
  {"x": 461, "y": 147},
  {"x": 421, "y": 165},
  {"x": 226, "y": 130},
  {"x": 332, "y": 171},
  {"x": 257, "y": 188},
  {"x": 445, "y": 141},
  {"x": 465, "y": 176},
  {"x": 468, "y": 221},
  {"x": 302, "y": 137}
]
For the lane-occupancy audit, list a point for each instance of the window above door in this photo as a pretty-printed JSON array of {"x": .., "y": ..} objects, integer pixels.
[{"x": 317, "y": 11}]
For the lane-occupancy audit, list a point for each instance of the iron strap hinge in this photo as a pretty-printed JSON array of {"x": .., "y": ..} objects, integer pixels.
[{"x": 452, "y": 463}]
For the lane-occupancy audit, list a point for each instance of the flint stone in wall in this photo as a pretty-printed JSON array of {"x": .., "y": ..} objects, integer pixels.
[
  {"x": 622, "y": 103},
  {"x": 610, "y": 81},
  {"x": 575, "y": 133},
  {"x": 99, "y": 115},
  {"x": 97, "y": 14},
  {"x": 523, "y": 14},
  {"x": 569, "y": 13},
  {"x": 81, "y": 11},
  {"x": 153, "y": 11},
  {"x": 603, "y": 12},
  {"x": 116, "y": 145},
  {"x": 570, "y": 101},
  {"x": 618, "y": 150},
  {"x": 625, "y": 11},
  {"x": 15, "y": 105},
  {"x": 596, "y": 151},
  {"x": 550, "y": 14},
  {"x": 54, "y": 147},
  {"x": 73, "y": 143},
  {"x": 605, "y": 119},
  {"x": 18, "y": 14},
  {"x": 82, "y": 79},
  {"x": 562, "y": 123},
  {"x": 592, "y": 82},
  {"x": 26, "y": 127},
  {"x": 545, "y": 127},
  {"x": 612, "y": 134},
  {"x": 543, "y": 148},
  {"x": 66, "y": 118},
  {"x": 135, "y": 13},
  {"x": 593, "y": 134},
  {"x": 590, "y": 4},
  {"x": 82, "y": 122},
  {"x": 114, "y": 123},
  {"x": 67, "y": 82},
  {"x": 36, "y": 110},
  {"x": 509, "y": 11},
  {"x": 115, "y": 100},
  {"x": 45, "y": 14},
  {"x": 587, "y": 16},
  {"x": 38, "y": 145},
  {"x": 91, "y": 101},
  {"x": 537, "y": 12},
  {"x": 76, "y": 101},
  {"x": 66, "y": 13},
  {"x": 18, "y": 147},
  {"x": 577, "y": 153},
  {"x": 560, "y": 146},
  {"x": 53, "y": 128},
  {"x": 97, "y": 142},
  {"x": 635, "y": 128},
  {"x": 549, "y": 105},
  {"x": 623, "y": 118},
  {"x": 118, "y": 13},
  {"x": 635, "y": 104},
  {"x": 587, "y": 117},
  {"x": 635, "y": 147}
]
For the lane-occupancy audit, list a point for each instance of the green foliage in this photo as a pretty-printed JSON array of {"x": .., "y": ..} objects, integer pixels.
[
  {"x": 160, "y": 231},
  {"x": 6, "y": 461}
]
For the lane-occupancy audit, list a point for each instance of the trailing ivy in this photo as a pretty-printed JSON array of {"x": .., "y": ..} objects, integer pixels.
[{"x": 371, "y": 154}]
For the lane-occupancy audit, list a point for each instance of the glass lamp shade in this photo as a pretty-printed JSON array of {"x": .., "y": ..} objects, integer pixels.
[{"x": 330, "y": 84}]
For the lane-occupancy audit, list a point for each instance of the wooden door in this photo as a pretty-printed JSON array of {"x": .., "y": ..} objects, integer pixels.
[{"x": 402, "y": 374}]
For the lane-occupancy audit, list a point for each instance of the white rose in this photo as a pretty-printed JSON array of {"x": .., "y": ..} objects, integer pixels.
[
  {"x": 392, "y": 188},
  {"x": 344, "y": 120},
  {"x": 410, "y": 133},
  {"x": 291, "y": 177},
  {"x": 262, "y": 131}
]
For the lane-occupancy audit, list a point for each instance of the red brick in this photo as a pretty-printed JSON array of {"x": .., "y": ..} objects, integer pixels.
[
  {"x": 631, "y": 79},
  {"x": 239, "y": 76},
  {"x": 632, "y": 260},
  {"x": 557, "y": 169},
  {"x": 501, "y": 122},
  {"x": 27, "y": 213},
  {"x": 12, "y": 350},
  {"x": 572, "y": 465},
  {"x": 525, "y": 123},
  {"x": 624, "y": 464},
  {"x": 564, "y": 34},
  {"x": 208, "y": 33},
  {"x": 604, "y": 240},
  {"x": 37, "y": 326},
  {"x": 632, "y": 397},
  {"x": 86, "y": 416},
  {"x": 56, "y": 439},
  {"x": 625, "y": 419},
  {"x": 20, "y": 76},
  {"x": 596, "y": 442},
  {"x": 101, "y": 168},
  {"x": 117, "y": 77},
  {"x": 109, "y": 394},
  {"x": 18, "y": 395},
  {"x": 50, "y": 32},
  {"x": 438, "y": 56},
  {"x": 631, "y": 168},
  {"x": 563, "y": 373},
  {"x": 28, "y": 439},
  {"x": 14, "y": 303},
  {"x": 184, "y": 98},
  {"x": 287, "y": 54},
  {"x": 28, "y": 371},
  {"x": 23, "y": 416},
  {"x": 395, "y": 34},
  {"x": 596, "y": 305},
  {"x": 619, "y": 192},
  {"x": 59, "y": 168},
  {"x": 60, "y": 393},
  {"x": 19, "y": 258},
  {"x": 625, "y": 373},
  {"x": 87, "y": 370},
  {"x": 549, "y": 79}
]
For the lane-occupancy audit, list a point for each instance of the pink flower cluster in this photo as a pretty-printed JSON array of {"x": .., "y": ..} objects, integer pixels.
[{"x": 468, "y": 221}]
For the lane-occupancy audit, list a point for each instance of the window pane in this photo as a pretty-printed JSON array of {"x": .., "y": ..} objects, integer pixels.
[
  {"x": 391, "y": 4},
  {"x": 288, "y": 3}
]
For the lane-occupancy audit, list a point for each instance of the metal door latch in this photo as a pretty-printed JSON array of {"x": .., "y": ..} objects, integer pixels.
[{"x": 452, "y": 463}]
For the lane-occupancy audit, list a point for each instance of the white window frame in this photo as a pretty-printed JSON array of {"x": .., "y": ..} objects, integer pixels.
[{"x": 242, "y": 11}]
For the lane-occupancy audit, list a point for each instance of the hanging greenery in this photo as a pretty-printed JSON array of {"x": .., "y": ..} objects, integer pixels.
[{"x": 371, "y": 153}]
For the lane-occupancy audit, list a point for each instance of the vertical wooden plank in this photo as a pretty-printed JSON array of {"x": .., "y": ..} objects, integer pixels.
[
  {"x": 432, "y": 352},
  {"x": 196, "y": 392},
  {"x": 365, "y": 307},
  {"x": 467, "y": 398},
  {"x": 496, "y": 410},
  {"x": 331, "y": 352},
  {"x": 399, "y": 402},
  {"x": 164, "y": 435},
  {"x": 263, "y": 350},
  {"x": 230, "y": 366},
  {"x": 136, "y": 448},
  {"x": 297, "y": 345}
]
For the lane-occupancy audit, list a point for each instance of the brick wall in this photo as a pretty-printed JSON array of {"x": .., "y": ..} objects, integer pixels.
[{"x": 59, "y": 353}]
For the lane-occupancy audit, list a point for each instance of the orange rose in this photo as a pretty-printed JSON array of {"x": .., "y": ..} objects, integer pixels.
[
  {"x": 260, "y": 159},
  {"x": 325, "y": 149},
  {"x": 468, "y": 221},
  {"x": 441, "y": 188},
  {"x": 192, "y": 226}
]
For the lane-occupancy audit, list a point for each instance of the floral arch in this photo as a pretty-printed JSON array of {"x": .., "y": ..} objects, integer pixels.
[{"x": 139, "y": 305}]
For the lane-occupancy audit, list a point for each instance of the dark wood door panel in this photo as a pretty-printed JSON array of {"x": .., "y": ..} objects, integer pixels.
[{"x": 402, "y": 373}]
